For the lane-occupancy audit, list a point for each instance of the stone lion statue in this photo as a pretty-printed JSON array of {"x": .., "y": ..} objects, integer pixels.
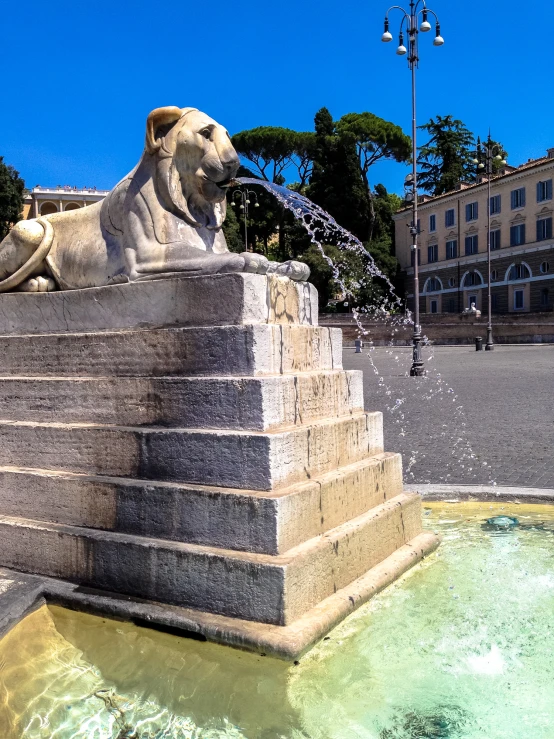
[{"x": 162, "y": 219}]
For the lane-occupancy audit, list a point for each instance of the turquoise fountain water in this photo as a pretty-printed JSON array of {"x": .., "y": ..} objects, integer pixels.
[{"x": 462, "y": 647}]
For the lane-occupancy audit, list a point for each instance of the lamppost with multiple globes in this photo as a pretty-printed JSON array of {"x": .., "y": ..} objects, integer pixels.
[
  {"x": 487, "y": 154},
  {"x": 409, "y": 24},
  {"x": 244, "y": 200}
]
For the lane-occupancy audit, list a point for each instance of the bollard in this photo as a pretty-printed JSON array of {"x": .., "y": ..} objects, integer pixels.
[
  {"x": 478, "y": 344},
  {"x": 358, "y": 344}
]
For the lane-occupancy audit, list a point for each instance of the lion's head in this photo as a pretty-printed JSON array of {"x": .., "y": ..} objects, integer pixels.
[{"x": 195, "y": 162}]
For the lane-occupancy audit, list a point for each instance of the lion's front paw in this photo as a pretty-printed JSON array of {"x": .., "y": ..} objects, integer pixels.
[
  {"x": 256, "y": 263},
  {"x": 291, "y": 269},
  {"x": 37, "y": 285}
]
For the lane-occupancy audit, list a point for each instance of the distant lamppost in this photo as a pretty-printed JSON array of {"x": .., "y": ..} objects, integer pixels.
[
  {"x": 487, "y": 154},
  {"x": 244, "y": 200},
  {"x": 409, "y": 24}
]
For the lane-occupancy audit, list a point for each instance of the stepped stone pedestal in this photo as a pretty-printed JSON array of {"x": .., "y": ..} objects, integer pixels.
[{"x": 195, "y": 442}]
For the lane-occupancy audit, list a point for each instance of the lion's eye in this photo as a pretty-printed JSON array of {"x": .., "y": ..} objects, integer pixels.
[{"x": 206, "y": 133}]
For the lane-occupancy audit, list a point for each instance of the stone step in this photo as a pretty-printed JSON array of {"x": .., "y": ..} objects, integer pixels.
[
  {"x": 181, "y": 301},
  {"x": 256, "y": 404},
  {"x": 207, "y": 351},
  {"x": 238, "y": 459},
  {"x": 256, "y": 587},
  {"x": 229, "y": 518}
]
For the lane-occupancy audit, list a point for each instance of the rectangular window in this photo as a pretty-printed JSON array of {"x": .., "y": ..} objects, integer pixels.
[
  {"x": 495, "y": 239},
  {"x": 518, "y": 299},
  {"x": 518, "y": 198},
  {"x": 495, "y": 205},
  {"x": 451, "y": 305},
  {"x": 433, "y": 253},
  {"x": 418, "y": 257},
  {"x": 434, "y": 306},
  {"x": 494, "y": 302},
  {"x": 451, "y": 249},
  {"x": 471, "y": 212},
  {"x": 449, "y": 218},
  {"x": 544, "y": 191},
  {"x": 544, "y": 229},
  {"x": 545, "y": 297},
  {"x": 432, "y": 223},
  {"x": 517, "y": 235},
  {"x": 472, "y": 245}
]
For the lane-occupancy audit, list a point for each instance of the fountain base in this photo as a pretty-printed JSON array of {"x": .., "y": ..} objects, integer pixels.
[{"x": 216, "y": 463}]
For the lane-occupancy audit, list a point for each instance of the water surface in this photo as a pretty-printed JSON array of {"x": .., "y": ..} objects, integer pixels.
[{"x": 461, "y": 647}]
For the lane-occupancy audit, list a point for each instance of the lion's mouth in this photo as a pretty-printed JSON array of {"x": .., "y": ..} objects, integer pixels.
[{"x": 229, "y": 182}]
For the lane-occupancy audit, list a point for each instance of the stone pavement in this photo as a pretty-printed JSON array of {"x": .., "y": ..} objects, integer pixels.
[{"x": 477, "y": 418}]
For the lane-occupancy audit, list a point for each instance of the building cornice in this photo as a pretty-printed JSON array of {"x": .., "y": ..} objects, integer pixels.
[{"x": 456, "y": 195}]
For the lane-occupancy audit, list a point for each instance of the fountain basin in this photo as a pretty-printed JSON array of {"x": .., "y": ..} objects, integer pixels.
[{"x": 460, "y": 647}]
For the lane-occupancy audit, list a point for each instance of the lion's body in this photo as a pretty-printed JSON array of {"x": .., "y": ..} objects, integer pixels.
[{"x": 164, "y": 218}]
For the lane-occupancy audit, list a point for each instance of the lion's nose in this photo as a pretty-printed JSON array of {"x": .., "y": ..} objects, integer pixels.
[{"x": 231, "y": 162}]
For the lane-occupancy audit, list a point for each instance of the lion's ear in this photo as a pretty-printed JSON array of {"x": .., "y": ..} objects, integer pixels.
[{"x": 158, "y": 118}]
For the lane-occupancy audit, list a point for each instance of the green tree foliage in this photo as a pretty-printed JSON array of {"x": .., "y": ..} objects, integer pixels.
[
  {"x": 232, "y": 231},
  {"x": 446, "y": 158},
  {"x": 330, "y": 166},
  {"x": 273, "y": 151},
  {"x": 12, "y": 189},
  {"x": 374, "y": 139},
  {"x": 336, "y": 184}
]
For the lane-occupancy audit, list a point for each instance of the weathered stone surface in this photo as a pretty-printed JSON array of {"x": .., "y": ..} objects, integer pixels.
[
  {"x": 25, "y": 592},
  {"x": 245, "y": 520},
  {"x": 221, "y": 350},
  {"x": 256, "y": 404},
  {"x": 184, "y": 301},
  {"x": 224, "y": 468},
  {"x": 256, "y": 587},
  {"x": 239, "y": 459}
]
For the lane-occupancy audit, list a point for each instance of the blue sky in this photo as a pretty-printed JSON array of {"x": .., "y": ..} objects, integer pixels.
[{"x": 80, "y": 78}]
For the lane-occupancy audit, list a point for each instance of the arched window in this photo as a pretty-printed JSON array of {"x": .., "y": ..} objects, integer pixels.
[
  {"x": 471, "y": 279},
  {"x": 47, "y": 209},
  {"x": 494, "y": 275},
  {"x": 519, "y": 272},
  {"x": 433, "y": 285}
]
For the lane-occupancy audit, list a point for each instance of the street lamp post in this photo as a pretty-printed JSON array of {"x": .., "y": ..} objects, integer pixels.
[
  {"x": 409, "y": 23},
  {"x": 484, "y": 161},
  {"x": 244, "y": 199}
]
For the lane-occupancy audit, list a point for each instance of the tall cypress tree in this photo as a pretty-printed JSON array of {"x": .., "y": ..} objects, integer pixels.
[{"x": 336, "y": 183}]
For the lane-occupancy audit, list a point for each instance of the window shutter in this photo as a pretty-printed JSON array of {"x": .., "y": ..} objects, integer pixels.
[
  {"x": 549, "y": 189},
  {"x": 548, "y": 228},
  {"x": 539, "y": 194},
  {"x": 522, "y": 227},
  {"x": 539, "y": 230},
  {"x": 522, "y": 196},
  {"x": 476, "y": 210},
  {"x": 513, "y": 199}
]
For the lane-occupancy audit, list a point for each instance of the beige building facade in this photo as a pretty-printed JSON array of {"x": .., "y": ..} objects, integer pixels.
[
  {"x": 43, "y": 201},
  {"x": 453, "y": 271}
]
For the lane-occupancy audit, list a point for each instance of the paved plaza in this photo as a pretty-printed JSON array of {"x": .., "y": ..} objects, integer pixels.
[{"x": 476, "y": 418}]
